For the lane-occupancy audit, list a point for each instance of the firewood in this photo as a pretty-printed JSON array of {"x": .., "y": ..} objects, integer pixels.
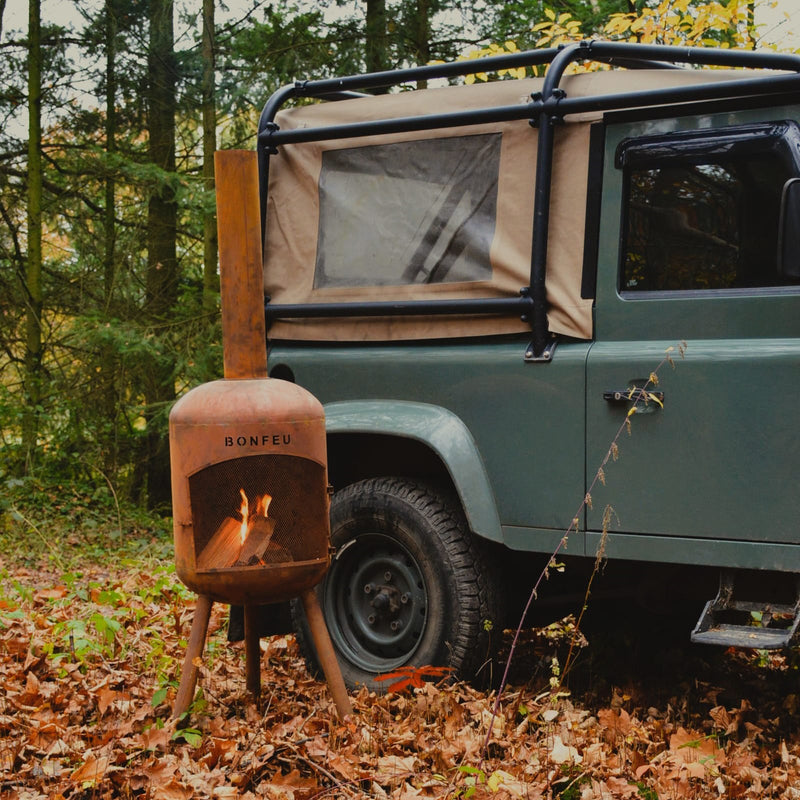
[
  {"x": 223, "y": 548},
  {"x": 259, "y": 533}
]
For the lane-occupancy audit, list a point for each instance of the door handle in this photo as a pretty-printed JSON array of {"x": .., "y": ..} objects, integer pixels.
[{"x": 633, "y": 394}]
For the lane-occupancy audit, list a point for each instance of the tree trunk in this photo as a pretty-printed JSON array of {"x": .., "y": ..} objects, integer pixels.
[
  {"x": 2, "y": 13},
  {"x": 376, "y": 56},
  {"x": 109, "y": 221},
  {"x": 107, "y": 390},
  {"x": 33, "y": 277},
  {"x": 422, "y": 36},
  {"x": 210, "y": 280},
  {"x": 162, "y": 264}
]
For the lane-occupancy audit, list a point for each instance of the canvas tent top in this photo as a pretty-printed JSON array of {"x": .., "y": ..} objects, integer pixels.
[{"x": 440, "y": 214}]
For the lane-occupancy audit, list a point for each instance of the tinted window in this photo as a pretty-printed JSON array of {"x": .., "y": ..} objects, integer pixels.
[{"x": 703, "y": 221}]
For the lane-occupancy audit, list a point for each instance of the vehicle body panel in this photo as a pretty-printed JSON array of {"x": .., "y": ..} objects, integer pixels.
[{"x": 535, "y": 467}]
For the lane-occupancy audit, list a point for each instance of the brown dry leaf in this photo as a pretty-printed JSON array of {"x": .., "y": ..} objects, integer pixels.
[
  {"x": 561, "y": 753},
  {"x": 105, "y": 697},
  {"x": 722, "y": 719},
  {"x": 615, "y": 787},
  {"x": 294, "y": 780},
  {"x": 31, "y": 693},
  {"x": 615, "y": 722},
  {"x": 225, "y": 792},
  {"x": 154, "y": 738},
  {"x": 392, "y": 769},
  {"x": 406, "y": 792},
  {"x": 172, "y": 790},
  {"x": 92, "y": 770}
]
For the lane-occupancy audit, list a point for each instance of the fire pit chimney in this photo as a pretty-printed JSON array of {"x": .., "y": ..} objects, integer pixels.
[{"x": 249, "y": 461}]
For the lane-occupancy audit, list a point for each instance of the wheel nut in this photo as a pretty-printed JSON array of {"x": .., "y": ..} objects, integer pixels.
[
  {"x": 387, "y": 576},
  {"x": 371, "y": 619},
  {"x": 396, "y": 625},
  {"x": 404, "y": 598},
  {"x": 368, "y": 588}
]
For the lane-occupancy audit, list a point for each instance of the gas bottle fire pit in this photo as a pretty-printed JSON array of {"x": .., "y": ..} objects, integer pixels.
[{"x": 249, "y": 463}]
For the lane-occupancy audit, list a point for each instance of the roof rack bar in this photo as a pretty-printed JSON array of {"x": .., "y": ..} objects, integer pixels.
[
  {"x": 704, "y": 56},
  {"x": 541, "y": 203},
  {"x": 545, "y": 110},
  {"x": 619, "y": 53},
  {"x": 451, "y": 69},
  {"x": 504, "y": 306},
  {"x": 274, "y": 137}
]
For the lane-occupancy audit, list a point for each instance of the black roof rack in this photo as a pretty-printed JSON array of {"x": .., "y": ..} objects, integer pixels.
[{"x": 543, "y": 110}]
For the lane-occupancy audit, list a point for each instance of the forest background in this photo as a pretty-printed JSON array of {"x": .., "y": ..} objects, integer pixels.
[{"x": 111, "y": 112}]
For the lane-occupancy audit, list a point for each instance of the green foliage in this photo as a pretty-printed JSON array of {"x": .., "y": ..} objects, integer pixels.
[
  {"x": 71, "y": 523},
  {"x": 645, "y": 791}
]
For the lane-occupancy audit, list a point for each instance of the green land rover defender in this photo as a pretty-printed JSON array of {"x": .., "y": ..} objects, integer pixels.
[{"x": 478, "y": 280}]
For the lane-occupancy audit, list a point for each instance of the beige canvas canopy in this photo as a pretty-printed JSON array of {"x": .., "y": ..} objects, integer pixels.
[{"x": 442, "y": 214}]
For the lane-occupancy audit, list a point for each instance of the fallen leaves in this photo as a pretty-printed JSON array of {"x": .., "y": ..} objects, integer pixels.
[{"x": 85, "y": 712}]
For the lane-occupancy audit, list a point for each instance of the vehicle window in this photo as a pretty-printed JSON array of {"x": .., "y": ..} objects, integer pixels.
[
  {"x": 421, "y": 212},
  {"x": 703, "y": 221}
]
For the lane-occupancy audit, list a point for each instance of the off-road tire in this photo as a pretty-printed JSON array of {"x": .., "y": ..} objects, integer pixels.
[{"x": 408, "y": 585}]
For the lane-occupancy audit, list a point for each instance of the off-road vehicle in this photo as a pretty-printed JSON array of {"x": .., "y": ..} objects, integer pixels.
[{"x": 476, "y": 280}]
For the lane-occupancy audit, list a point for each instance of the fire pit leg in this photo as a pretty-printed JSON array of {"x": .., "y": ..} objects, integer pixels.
[
  {"x": 327, "y": 657},
  {"x": 194, "y": 649},
  {"x": 252, "y": 651}
]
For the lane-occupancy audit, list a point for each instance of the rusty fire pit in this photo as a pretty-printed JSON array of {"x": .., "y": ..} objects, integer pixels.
[{"x": 249, "y": 463}]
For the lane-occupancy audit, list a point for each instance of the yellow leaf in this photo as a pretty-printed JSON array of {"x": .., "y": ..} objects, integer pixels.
[
  {"x": 469, "y": 79},
  {"x": 511, "y": 46},
  {"x": 631, "y": 411},
  {"x": 550, "y": 14},
  {"x": 655, "y": 399}
]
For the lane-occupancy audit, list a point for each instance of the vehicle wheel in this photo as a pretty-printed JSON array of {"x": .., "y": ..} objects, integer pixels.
[{"x": 408, "y": 585}]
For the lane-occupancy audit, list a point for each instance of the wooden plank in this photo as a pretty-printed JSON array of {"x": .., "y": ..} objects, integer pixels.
[
  {"x": 223, "y": 548},
  {"x": 259, "y": 533}
]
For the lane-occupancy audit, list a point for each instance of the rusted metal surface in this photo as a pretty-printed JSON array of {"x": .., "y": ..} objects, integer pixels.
[
  {"x": 325, "y": 652},
  {"x": 252, "y": 651},
  {"x": 194, "y": 649},
  {"x": 249, "y": 462},
  {"x": 241, "y": 280},
  {"x": 234, "y": 421}
]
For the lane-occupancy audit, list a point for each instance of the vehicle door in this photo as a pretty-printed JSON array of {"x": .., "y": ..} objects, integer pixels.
[{"x": 688, "y": 245}]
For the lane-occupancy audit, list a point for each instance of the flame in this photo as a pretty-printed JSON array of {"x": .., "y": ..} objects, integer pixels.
[{"x": 261, "y": 509}]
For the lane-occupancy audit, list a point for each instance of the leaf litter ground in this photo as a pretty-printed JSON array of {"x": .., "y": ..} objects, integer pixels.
[{"x": 90, "y": 661}]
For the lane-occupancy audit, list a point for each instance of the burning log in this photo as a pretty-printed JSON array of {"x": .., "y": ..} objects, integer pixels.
[
  {"x": 224, "y": 546},
  {"x": 243, "y": 543},
  {"x": 259, "y": 533}
]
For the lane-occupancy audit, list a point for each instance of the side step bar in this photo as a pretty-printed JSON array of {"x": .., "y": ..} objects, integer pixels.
[{"x": 744, "y": 623}]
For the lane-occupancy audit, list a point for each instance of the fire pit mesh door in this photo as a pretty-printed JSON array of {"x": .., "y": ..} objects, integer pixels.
[{"x": 259, "y": 511}]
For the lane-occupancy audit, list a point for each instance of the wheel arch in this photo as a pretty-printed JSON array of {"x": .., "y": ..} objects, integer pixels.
[{"x": 377, "y": 438}]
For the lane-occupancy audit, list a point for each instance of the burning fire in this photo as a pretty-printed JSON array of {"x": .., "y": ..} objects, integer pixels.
[{"x": 261, "y": 509}]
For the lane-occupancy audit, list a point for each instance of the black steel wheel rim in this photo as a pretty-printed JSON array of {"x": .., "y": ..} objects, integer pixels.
[{"x": 375, "y": 602}]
